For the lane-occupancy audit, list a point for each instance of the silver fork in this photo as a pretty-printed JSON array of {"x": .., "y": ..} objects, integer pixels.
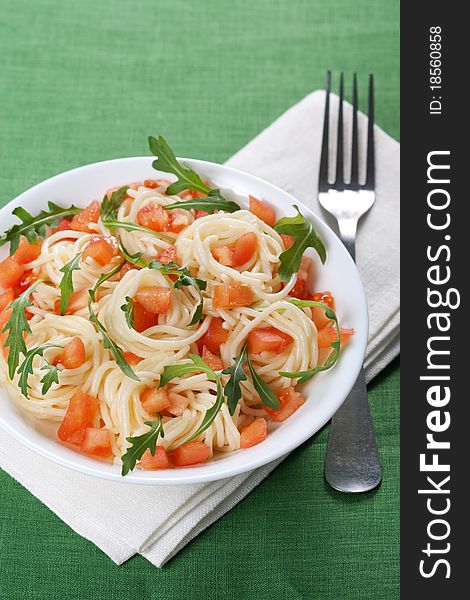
[{"x": 352, "y": 459}]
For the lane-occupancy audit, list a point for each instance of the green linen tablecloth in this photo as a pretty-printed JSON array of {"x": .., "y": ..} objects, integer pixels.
[{"x": 86, "y": 81}]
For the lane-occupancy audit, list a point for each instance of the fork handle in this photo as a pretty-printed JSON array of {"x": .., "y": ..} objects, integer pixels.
[{"x": 352, "y": 458}]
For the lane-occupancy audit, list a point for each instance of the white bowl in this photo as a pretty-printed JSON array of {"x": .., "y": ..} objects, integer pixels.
[{"x": 324, "y": 393}]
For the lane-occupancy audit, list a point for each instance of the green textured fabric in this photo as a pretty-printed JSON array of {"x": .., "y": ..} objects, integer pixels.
[{"x": 89, "y": 80}]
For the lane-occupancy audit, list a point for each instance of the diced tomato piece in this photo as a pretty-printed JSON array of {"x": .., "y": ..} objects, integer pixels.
[
  {"x": 318, "y": 314},
  {"x": 328, "y": 335},
  {"x": 77, "y": 301},
  {"x": 143, "y": 319},
  {"x": 80, "y": 412},
  {"x": 267, "y": 339},
  {"x": 4, "y": 316},
  {"x": 287, "y": 240},
  {"x": 100, "y": 249},
  {"x": 254, "y": 433},
  {"x": 83, "y": 220},
  {"x": 153, "y": 217},
  {"x": 10, "y": 273},
  {"x": 300, "y": 289},
  {"x": 193, "y": 193},
  {"x": 290, "y": 401},
  {"x": 63, "y": 225},
  {"x": 132, "y": 358},
  {"x": 177, "y": 223},
  {"x": 223, "y": 255},
  {"x": 159, "y": 461},
  {"x": 151, "y": 184},
  {"x": 263, "y": 211},
  {"x": 154, "y": 400},
  {"x": 97, "y": 443},
  {"x": 155, "y": 299},
  {"x": 6, "y": 298},
  {"x": 27, "y": 252},
  {"x": 27, "y": 280},
  {"x": 214, "y": 362},
  {"x": 214, "y": 337},
  {"x": 232, "y": 295},
  {"x": 244, "y": 249},
  {"x": 200, "y": 214},
  {"x": 167, "y": 256},
  {"x": 73, "y": 355},
  {"x": 178, "y": 403},
  {"x": 191, "y": 453},
  {"x": 126, "y": 268},
  {"x": 77, "y": 437}
]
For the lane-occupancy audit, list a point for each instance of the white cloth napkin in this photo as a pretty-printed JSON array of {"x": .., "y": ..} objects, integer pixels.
[{"x": 124, "y": 520}]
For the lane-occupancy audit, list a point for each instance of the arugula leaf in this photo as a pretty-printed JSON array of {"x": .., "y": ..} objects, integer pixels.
[
  {"x": 128, "y": 310},
  {"x": 66, "y": 283},
  {"x": 108, "y": 343},
  {"x": 184, "y": 279},
  {"x": 237, "y": 374},
  {"x": 136, "y": 259},
  {"x": 213, "y": 201},
  {"x": 198, "y": 364},
  {"x": 129, "y": 226},
  {"x": 26, "y": 367},
  {"x": 52, "y": 376},
  {"x": 34, "y": 227},
  {"x": 304, "y": 376},
  {"x": 110, "y": 206},
  {"x": 304, "y": 236},
  {"x": 166, "y": 162},
  {"x": 265, "y": 393},
  {"x": 141, "y": 443},
  {"x": 209, "y": 415},
  {"x": 18, "y": 324}
]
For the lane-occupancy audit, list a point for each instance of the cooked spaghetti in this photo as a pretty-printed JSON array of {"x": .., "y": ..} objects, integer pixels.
[{"x": 190, "y": 341}]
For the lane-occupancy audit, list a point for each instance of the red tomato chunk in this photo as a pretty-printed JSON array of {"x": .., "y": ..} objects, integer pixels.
[
  {"x": 159, "y": 461},
  {"x": 80, "y": 413},
  {"x": 254, "y": 433},
  {"x": 214, "y": 337},
  {"x": 290, "y": 401},
  {"x": 267, "y": 339},
  {"x": 263, "y": 211},
  {"x": 191, "y": 453},
  {"x": 232, "y": 295},
  {"x": 154, "y": 299}
]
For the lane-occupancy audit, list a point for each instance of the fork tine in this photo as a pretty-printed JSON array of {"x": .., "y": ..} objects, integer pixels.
[
  {"x": 339, "y": 177},
  {"x": 370, "y": 177},
  {"x": 323, "y": 175},
  {"x": 354, "y": 184}
]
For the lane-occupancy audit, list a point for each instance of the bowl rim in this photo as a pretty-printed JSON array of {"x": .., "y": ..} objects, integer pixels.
[{"x": 191, "y": 475}]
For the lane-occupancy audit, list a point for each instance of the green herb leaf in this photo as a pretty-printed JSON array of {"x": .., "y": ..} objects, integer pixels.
[
  {"x": 209, "y": 415},
  {"x": 232, "y": 389},
  {"x": 110, "y": 206},
  {"x": 141, "y": 443},
  {"x": 34, "y": 227},
  {"x": 166, "y": 162},
  {"x": 128, "y": 310},
  {"x": 18, "y": 324},
  {"x": 184, "y": 279},
  {"x": 52, "y": 376},
  {"x": 129, "y": 226},
  {"x": 265, "y": 393},
  {"x": 66, "y": 283},
  {"x": 108, "y": 343},
  {"x": 304, "y": 236},
  {"x": 136, "y": 259},
  {"x": 304, "y": 376},
  {"x": 213, "y": 201},
  {"x": 26, "y": 367},
  {"x": 198, "y": 364}
]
